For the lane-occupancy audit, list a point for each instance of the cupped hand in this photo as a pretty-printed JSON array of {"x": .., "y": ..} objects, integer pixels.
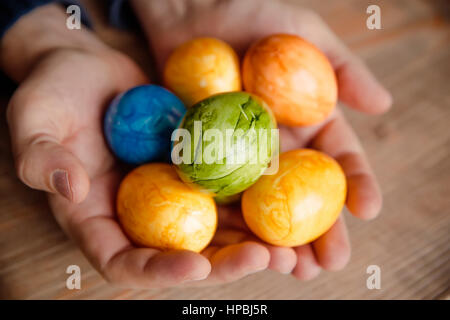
[
  {"x": 55, "y": 119},
  {"x": 234, "y": 252}
]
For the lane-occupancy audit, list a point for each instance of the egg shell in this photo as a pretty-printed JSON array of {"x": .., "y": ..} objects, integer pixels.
[
  {"x": 156, "y": 209},
  {"x": 299, "y": 203},
  {"x": 294, "y": 77},
  {"x": 139, "y": 123},
  {"x": 200, "y": 68},
  {"x": 239, "y": 113}
]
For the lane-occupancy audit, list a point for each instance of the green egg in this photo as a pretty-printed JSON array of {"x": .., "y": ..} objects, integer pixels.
[{"x": 232, "y": 138}]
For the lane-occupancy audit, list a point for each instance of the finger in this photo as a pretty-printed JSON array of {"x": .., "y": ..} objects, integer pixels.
[
  {"x": 282, "y": 259},
  {"x": 46, "y": 165},
  {"x": 92, "y": 226},
  {"x": 337, "y": 139},
  {"x": 332, "y": 249},
  {"x": 307, "y": 267},
  {"x": 236, "y": 261},
  {"x": 364, "y": 198},
  {"x": 148, "y": 268},
  {"x": 357, "y": 86},
  {"x": 42, "y": 162}
]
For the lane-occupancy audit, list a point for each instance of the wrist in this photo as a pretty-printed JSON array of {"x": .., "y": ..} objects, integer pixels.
[{"x": 37, "y": 33}]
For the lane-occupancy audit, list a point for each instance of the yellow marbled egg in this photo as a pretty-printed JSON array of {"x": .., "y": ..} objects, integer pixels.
[
  {"x": 156, "y": 209},
  {"x": 300, "y": 202},
  {"x": 200, "y": 68}
]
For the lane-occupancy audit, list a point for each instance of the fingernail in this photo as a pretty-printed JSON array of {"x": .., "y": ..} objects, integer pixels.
[
  {"x": 286, "y": 271},
  {"x": 60, "y": 181},
  {"x": 256, "y": 270},
  {"x": 200, "y": 277},
  {"x": 195, "y": 278}
]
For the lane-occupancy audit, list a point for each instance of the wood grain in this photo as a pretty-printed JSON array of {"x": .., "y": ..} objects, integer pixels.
[{"x": 409, "y": 148}]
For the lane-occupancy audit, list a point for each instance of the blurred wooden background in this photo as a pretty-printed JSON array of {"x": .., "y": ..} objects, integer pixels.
[{"x": 409, "y": 148}]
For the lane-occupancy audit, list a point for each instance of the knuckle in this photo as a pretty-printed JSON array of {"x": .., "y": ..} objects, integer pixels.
[
  {"x": 19, "y": 169},
  {"x": 110, "y": 276},
  {"x": 22, "y": 107},
  {"x": 20, "y": 166},
  {"x": 14, "y": 103},
  {"x": 117, "y": 280},
  {"x": 111, "y": 272}
]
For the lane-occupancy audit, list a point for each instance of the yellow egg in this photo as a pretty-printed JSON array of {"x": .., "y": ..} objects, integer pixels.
[
  {"x": 200, "y": 68},
  {"x": 156, "y": 209},
  {"x": 298, "y": 203}
]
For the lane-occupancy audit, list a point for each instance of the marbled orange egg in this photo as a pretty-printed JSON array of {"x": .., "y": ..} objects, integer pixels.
[
  {"x": 294, "y": 77},
  {"x": 200, "y": 68},
  {"x": 156, "y": 209},
  {"x": 298, "y": 203}
]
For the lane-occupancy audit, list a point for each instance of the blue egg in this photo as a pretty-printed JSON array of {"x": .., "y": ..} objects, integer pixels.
[{"x": 139, "y": 123}]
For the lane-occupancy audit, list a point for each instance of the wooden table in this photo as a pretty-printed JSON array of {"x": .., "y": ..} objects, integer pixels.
[{"x": 409, "y": 148}]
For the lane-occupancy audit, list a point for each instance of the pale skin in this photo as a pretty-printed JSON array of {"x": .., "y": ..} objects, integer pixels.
[{"x": 68, "y": 78}]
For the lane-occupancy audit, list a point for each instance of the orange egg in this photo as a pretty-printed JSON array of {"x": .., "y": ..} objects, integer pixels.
[
  {"x": 295, "y": 79},
  {"x": 298, "y": 203},
  {"x": 157, "y": 210},
  {"x": 200, "y": 68}
]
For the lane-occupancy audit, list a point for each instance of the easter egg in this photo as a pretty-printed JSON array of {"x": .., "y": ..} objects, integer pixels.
[
  {"x": 139, "y": 123},
  {"x": 200, "y": 68},
  {"x": 298, "y": 203},
  {"x": 230, "y": 142},
  {"x": 294, "y": 77},
  {"x": 156, "y": 209}
]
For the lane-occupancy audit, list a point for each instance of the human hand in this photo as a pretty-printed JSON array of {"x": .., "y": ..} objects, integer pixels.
[
  {"x": 168, "y": 24},
  {"x": 55, "y": 120}
]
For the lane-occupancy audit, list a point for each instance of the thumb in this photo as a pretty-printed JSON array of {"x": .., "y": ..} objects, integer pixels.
[{"x": 46, "y": 165}]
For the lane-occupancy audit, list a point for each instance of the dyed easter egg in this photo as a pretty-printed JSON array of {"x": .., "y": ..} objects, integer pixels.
[
  {"x": 139, "y": 122},
  {"x": 236, "y": 144},
  {"x": 294, "y": 77},
  {"x": 156, "y": 209},
  {"x": 299, "y": 203},
  {"x": 200, "y": 68}
]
